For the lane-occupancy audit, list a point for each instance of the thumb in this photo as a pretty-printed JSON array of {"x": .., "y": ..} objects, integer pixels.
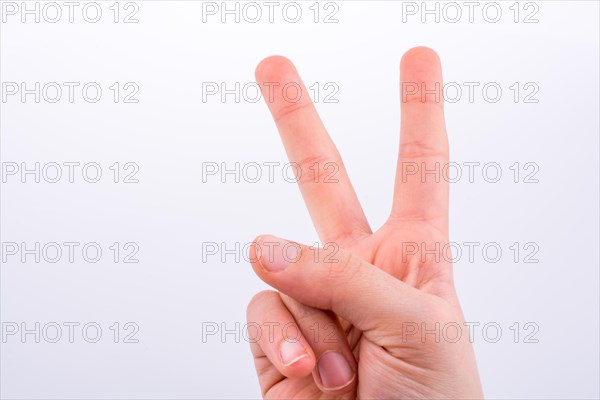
[{"x": 333, "y": 279}]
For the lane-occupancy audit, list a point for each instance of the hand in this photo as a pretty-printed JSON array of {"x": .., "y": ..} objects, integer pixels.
[{"x": 378, "y": 318}]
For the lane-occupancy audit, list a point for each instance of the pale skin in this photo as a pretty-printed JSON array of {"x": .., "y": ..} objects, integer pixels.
[{"x": 373, "y": 302}]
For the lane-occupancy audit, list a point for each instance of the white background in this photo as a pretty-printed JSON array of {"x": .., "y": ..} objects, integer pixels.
[{"x": 171, "y": 293}]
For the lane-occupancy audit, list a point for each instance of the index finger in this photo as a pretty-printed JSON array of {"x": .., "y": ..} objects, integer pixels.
[{"x": 323, "y": 180}]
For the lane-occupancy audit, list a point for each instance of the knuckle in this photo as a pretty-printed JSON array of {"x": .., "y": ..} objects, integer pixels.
[
  {"x": 316, "y": 169},
  {"x": 421, "y": 149},
  {"x": 290, "y": 109},
  {"x": 339, "y": 273},
  {"x": 344, "y": 267}
]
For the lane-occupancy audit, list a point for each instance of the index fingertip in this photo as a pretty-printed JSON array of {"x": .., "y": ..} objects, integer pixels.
[{"x": 272, "y": 68}]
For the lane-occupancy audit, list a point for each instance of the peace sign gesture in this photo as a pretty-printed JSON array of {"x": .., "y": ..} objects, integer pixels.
[{"x": 378, "y": 317}]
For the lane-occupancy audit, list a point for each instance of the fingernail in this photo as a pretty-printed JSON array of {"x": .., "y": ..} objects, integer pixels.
[
  {"x": 290, "y": 352},
  {"x": 334, "y": 370},
  {"x": 277, "y": 254}
]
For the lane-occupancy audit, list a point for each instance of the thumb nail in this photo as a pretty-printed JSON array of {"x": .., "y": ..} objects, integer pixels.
[{"x": 277, "y": 254}]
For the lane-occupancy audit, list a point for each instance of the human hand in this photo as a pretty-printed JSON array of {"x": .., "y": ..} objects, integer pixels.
[{"x": 392, "y": 318}]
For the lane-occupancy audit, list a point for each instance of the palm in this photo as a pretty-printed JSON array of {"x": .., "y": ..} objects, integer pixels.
[
  {"x": 418, "y": 217},
  {"x": 384, "y": 248}
]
